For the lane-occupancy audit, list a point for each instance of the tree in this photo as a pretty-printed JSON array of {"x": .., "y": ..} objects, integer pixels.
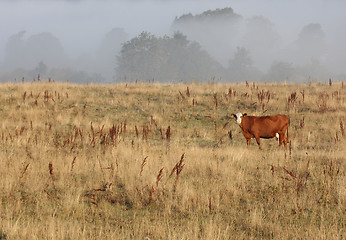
[
  {"x": 27, "y": 53},
  {"x": 209, "y": 15},
  {"x": 15, "y": 48},
  {"x": 280, "y": 71},
  {"x": 311, "y": 33},
  {"x": 47, "y": 48},
  {"x": 41, "y": 68},
  {"x": 165, "y": 59},
  {"x": 136, "y": 59},
  {"x": 217, "y": 31},
  {"x": 241, "y": 67},
  {"x": 108, "y": 49},
  {"x": 309, "y": 45},
  {"x": 261, "y": 40}
]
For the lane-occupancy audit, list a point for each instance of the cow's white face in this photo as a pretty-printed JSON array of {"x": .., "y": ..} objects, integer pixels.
[{"x": 239, "y": 117}]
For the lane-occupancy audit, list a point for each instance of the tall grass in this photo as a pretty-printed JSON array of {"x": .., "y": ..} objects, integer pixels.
[{"x": 162, "y": 161}]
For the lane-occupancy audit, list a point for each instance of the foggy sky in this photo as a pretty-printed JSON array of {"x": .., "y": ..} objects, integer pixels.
[{"x": 81, "y": 25}]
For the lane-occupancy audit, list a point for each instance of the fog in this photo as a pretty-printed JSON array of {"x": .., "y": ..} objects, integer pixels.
[{"x": 86, "y": 35}]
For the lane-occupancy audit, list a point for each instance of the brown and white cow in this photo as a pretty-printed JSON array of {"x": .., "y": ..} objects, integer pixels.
[{"x": 263, "y": 127}]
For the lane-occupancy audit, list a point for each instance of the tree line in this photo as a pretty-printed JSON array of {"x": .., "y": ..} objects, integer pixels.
[{"x": 202, "y": 47}]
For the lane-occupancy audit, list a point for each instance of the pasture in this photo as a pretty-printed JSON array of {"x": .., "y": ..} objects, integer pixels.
[{"x": 162, "y": 161}]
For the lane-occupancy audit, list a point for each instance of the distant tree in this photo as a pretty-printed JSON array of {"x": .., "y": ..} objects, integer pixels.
[
  {"x": 14, "y": 51},
  {"x": 209, "y": 15},
  {"x": 281, "y": 71},
  {"x": 261, "y": 39},
  {"x": 311, "y": 34},
  {"x": 47, "y": 48},
  {"x": 215, "y": 30},
  {"x": 242, "y": 59},
  {"x": 164, "y": 59},
  {"x": 27, "y": 53},
  {"x": 74, "y": 76},
  {"x": 241, "y": 67},
  {"x": 41, "y": 68},
  {"x": 284, "y": 71},
  {"x": 260, "y": 33},
  {"x": 314, "y": 70},
  {"x": 108, "y": 49},
  {"x": 136, "y": 58},
  {"x": 310, "y": 44},
  {"x": 187, "y": 60}
]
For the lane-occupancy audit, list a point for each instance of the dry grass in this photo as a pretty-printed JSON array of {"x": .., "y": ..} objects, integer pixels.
[{"x": 131, "y": 161}]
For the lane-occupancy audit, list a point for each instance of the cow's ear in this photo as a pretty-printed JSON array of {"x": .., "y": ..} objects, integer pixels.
[
  {"x": 245, "y": 114},
  {"x": 233, "y": 116}
]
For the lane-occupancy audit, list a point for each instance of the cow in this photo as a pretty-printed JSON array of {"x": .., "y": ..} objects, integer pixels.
[{"x": 263, "y": 127}]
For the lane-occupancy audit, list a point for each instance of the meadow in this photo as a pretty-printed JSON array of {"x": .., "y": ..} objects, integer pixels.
[{"x": 164, "y": 161}]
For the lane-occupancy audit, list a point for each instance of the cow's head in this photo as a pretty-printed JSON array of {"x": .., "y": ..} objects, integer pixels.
[{"x": 238, "y": 117}]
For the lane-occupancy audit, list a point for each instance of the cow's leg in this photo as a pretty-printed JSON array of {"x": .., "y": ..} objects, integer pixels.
[
  {"x": 282, "y": 139},
  {"x": 248, "y": 141},
  {"x": 285, "y": 140},
  {"x": 258, "y": 141}
]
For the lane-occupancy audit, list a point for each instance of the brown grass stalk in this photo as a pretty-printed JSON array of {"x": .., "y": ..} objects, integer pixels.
[
  {"x": 151, "y": 193},
  {"x": 136, "y": 130},
  {"x": 177, "y": 170},
  {"x": 24, "y": 171},
  {"x": 168, "y": 134},
  {"x": 144, "y": 162},
  {"x": 51, "y": 173},
  {"x": 210, "y": 208},
  {"x": 216, "y": 101},
  {"x": 342, "y": 129},
  {"x": 72, "y": 164},
  {"x": 182, "y": 95},
  {"x": 159, "y": 177}
]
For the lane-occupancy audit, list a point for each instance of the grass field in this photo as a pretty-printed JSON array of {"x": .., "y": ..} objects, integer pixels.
[{"x": 162, "y": 161}]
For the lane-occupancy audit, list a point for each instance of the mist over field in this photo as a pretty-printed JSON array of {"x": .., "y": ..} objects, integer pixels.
[
  {"x": 81, "y": 41},
  {"x": 116, "y": 119}
]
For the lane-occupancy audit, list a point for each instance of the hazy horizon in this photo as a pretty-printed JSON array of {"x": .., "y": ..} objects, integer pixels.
[{"x": 81, "y": 26}]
